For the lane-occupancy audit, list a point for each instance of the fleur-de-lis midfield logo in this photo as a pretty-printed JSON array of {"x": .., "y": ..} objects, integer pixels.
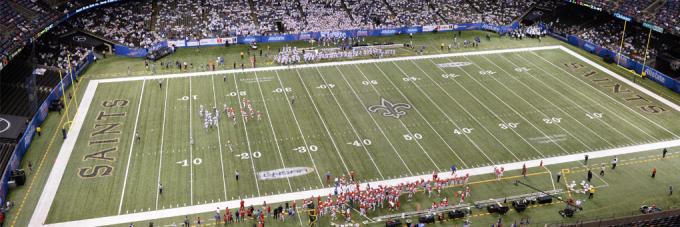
[{"x": 389, "y": 109}]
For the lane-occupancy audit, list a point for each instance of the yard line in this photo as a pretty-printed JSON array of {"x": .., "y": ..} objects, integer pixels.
[
  {"x": 280, "y": 198},
  {"x": 592, "y": 100},
  {"x": 568, "y": 99},
  {"x": 132, "y": 144},
  {"x": 323, "y": 122},
  {"x": 160, "y": 160},
  {"x": 598, "y": 176},
  {"x": 404, "y": 125},
  {"x": 346, "y": 118},
  {"x": 532, "y": 106},
  {"x": 191, "y": 148},
  {"x": 374, "y": 121},
  {"x": 304, "y": 140},
  {"x": 219, "y": 138},
  {"x": 449, "y": 118},
  {"x": 245, "y": 129},
  {"x": 276, "y": 141},
  {"x": 488, "y": 109},
  {"x": 510, "y": 107},
  {"x": 467, "y": 112},
  {"x": 617, "y": 101}
]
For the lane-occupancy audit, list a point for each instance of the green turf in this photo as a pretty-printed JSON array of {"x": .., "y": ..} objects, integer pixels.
[
  {"x": 461, "y": 118},
  {"x": 612, "y": 200},
  {"x": 116, "y": 67}
]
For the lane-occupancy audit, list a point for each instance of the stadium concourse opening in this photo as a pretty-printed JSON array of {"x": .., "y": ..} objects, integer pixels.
[{"x": 339, "y": 113}]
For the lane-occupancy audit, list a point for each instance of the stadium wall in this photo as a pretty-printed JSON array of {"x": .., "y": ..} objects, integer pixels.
[{"x": 38, "y": 118}]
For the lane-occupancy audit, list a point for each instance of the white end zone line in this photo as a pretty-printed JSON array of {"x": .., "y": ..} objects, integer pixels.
[{"x": 54, "y": 179}]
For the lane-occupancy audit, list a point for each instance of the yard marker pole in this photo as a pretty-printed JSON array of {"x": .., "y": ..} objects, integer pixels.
[
  {"x": 73, "y": 81},
  {"x": 63, "y": 97},
  {"x": 623, "y": 33},
  {"x": 644, "y": 60}
]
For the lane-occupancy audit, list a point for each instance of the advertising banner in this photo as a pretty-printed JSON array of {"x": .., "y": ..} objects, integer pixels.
[{"x": 129, "y": 52}]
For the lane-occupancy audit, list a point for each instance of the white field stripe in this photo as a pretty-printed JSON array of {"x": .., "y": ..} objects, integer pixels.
[
  {"x": 346, "y": 118},
  {"x": 191, "y": 148},
  {"x": 160, "y": 159},
  {"x": 132, "y": 145},
  {"x": 219, "y": 137},
  {"x": 469, "y": 114},
  {"x": 449, "y": 118},
  {"x": 569, "y": 100},
  {"x": 269, "y": 119},
  {"x": 374, "y": 121},
  {"x": 272, "y": 199},
  {"x": 618, "y": 77},
  {"x": 50, "y": 187},
  {"x": 326, "y": 64},
  {"x": 615, "y": 100},
  {"x": 613, "y": 112},
  {"x": 587, "y": 128},
  {"x": 323, "y": 122},
  {"x": 404, "y": 125},
  {"x": 487, "y": 108},
  {"x": 53, "y": 182},
  {"x": 510, "y": 107},
  {"x": 245, "y": 129},
  {"x": 302, "y": 135},
  {"x": 532, "y": 106}
]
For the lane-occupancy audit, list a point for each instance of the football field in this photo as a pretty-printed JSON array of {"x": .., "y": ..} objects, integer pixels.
[{"x": 380, "y": 119}]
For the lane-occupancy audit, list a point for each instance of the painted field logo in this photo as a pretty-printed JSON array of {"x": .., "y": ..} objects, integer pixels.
[
  {"x": 453, "y": 64},
  {"x": 389, "y": 109},
  {"x": 284, "y": 173}
]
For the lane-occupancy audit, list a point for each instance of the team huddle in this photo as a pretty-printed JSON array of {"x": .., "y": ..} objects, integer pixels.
[{"x": 211, "y": 118}]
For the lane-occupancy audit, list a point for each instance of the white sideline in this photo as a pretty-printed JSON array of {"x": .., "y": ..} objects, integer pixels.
[
  {"x": 205, "y": 208},
  {"x": 325, "y": 64},
  {"x": 54, "y": 179}
]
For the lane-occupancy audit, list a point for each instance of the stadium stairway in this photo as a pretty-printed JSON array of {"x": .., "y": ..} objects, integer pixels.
[
  {"x": 253, "y": 14},
  {"x": 344, "y": 7},
  {"x": 389, "y": 7},
  {"x": 154, "y": 14}
]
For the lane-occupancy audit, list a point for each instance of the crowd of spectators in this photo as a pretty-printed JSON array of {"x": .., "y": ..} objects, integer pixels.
[
  {"x": 369, "y": 13},
  {"x": 502, "y": 11},
  {"x": 269, "y": 12},
  {"x": 127, "y": 23},
  {"x": 142, "y": 23},
  {"x": 668, "y": 17},
  {"x": 326, "y": 15},
  {"x": 54, "y": 54},
  {"x": 457, "y": 11},
  {"x": 607, "y": 34},
  {"x": 414, "y": 12}
]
